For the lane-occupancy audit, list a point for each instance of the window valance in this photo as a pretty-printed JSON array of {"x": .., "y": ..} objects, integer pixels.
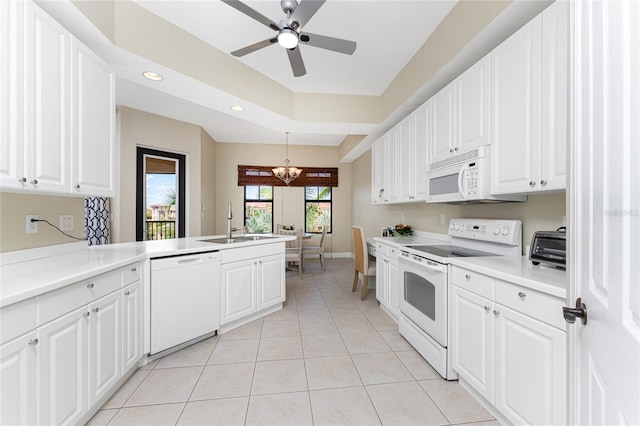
[{"x": 311, "y": 176}]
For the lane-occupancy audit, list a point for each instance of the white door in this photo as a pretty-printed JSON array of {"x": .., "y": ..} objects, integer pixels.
[
  {"x": 18, "y": 380},
  {"x": 605, "y": 213},
  {"x": 62, "y": 372},
  {"x": 105, "y": 337},
  {"x": 93, "y": 115},
  {"x": 271, "y": 281},
  {"x": 132, "y": 325}
]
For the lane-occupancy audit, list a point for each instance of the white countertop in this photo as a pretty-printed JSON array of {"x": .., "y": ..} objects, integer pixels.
[
  {"x": 515, "y": 269},
  {"x": 29, "y": 273},
  {"x": 518, "y": 270}
]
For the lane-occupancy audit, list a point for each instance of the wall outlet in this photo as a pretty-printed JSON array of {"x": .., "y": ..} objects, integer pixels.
[
  {"x": 66, "y": 222},
  {"x": 401, "y": 217},
  {"x": 443, "y": 219},
  {"x": 32, "y": 227}
]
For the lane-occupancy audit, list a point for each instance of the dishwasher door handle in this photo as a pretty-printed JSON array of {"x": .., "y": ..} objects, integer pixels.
[{"x": 191, "y": 260}]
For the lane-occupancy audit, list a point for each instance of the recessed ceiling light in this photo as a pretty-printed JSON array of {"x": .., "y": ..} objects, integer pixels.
[
  {"x": 237, "y": 108},
  {"x": 152, "y": 76}
]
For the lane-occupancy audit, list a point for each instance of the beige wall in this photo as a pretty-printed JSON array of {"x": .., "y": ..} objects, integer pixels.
[
  {"x": 15, "y": 207},
  {"x": 138, "y": 128},
  {"x": 208, "y": 184},
  {"x": 288, "y": 201},
  {"x": 540, "y": 212}
]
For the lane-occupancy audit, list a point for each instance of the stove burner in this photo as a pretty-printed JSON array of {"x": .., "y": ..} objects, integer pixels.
[{"x": 451, "y": 251}]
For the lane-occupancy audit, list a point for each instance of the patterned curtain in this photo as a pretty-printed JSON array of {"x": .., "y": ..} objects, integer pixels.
[{"x": 96, "y": 220}]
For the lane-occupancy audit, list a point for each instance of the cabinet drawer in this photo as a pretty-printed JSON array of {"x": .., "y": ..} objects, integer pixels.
[
  {"x": 381, "y": 249},
  {"x": 131, "y": 273},
  {"x": 473, "y": 281},
  {"x": 541, "y": 306},
  {"x": 393, "y": 253},
  {"x": 66, "y": 299},
  {"x": 17, "y": 319}
]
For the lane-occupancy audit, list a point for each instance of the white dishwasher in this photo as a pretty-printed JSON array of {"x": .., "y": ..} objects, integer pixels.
[{"x": 185, "y": 299}]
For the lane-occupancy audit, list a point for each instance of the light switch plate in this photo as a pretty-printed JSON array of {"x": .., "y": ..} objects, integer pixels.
[{"x": 66, "y": 222}]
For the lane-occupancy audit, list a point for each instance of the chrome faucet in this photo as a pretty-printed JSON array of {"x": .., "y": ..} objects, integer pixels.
[{"x": 229, "y": 217}]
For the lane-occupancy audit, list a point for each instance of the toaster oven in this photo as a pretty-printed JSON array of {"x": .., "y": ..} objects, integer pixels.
[{"x": 549, "y": 247}]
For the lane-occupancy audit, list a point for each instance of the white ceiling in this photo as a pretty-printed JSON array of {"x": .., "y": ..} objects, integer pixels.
[{"x": 388, "y": 34}]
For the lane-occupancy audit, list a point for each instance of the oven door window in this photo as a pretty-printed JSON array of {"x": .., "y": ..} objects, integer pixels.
[{"x": 420, "y": 293}]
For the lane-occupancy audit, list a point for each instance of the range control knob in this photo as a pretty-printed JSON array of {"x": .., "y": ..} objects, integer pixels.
[
  {"x": 496, "y": 231},
  {"x": 451, "y": 226},
  {"x": 505, "y": 230},
  {"x": 457, "y": 227}
]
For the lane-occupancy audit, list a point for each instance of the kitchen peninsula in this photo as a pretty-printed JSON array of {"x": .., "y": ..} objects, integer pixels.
[{"x": 76, "y": 320}]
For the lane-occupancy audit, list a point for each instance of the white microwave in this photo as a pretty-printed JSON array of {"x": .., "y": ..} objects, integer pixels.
[{"x": 467, "y": 180}]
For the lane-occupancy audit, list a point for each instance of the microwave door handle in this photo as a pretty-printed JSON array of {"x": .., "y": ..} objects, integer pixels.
[{"x": 461, "y": 189}]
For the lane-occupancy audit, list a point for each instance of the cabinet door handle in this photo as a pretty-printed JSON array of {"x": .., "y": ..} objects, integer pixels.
[
  {"x": 134, "y": 269},
  {"x": 33, "y": 342},
  {"x": 543, "y": 183},
  {"x": 496, "y": 313},
  {"x": 22, "y": 180},
  {"x": 126, "y": 293},
  {"x": 532, "y": 183},
  {"x": 522, "y": 294},
  {"x": 451, "y": 150},
  {"x": 486, "y": 308},
  {"x": 86, "y": 314},
  {"x": 34, "y": 182},
  {"x": 90, "y": 285},
  {"x": 94, "y": 310},
  {"x": 468, "y": 277},
  {"x": 77, "y": 187},
  {"x": 455, "y": 149}
]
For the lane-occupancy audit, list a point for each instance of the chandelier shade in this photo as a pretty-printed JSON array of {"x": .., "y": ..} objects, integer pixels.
[{"x": 286, "y": 173}]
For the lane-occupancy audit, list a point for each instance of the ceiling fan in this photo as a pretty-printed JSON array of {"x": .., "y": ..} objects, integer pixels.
[{"x": 289, "y": 33}]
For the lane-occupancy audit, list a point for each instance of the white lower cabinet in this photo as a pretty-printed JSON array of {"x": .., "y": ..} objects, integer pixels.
[
  {"x": 62, "y": 369},
  {"x": 388, "y": 278},
  {"x": 18, "y": 384},
  {"x": 131, "y": 325},
  {"x": 251, "y": 285},
  {"x": 515, "y": 361},
  {"x": 105, "y": 345},
  {"x": 85, "y": 336}
]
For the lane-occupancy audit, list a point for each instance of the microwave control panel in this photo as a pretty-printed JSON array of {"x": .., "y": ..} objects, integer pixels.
[{"x": 471, "y": 180}]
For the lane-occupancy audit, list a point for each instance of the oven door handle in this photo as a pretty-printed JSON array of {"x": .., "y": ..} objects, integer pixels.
[
  {"x": 434, "y": 268},
  {"x": 426, "y": 264}
]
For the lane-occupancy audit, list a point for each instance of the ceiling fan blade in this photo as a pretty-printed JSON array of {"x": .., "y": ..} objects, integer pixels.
[
  {"x": 256, "y": 46},
  {"x": 252, "y": 13},
  {"x": 305, "y": 11},
  {"x": 324, "y": 42},
  {"x": 297, "y": 65}
]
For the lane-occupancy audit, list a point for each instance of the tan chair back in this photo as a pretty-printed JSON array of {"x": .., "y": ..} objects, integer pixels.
[{"x": 360, "y": 249}]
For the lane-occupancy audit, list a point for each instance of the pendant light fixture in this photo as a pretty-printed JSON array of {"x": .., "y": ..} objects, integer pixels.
[{"x": 286, "y": 173}]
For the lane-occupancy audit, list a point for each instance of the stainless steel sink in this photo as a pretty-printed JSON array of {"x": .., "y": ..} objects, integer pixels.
[{"x": 238, "y": 239}]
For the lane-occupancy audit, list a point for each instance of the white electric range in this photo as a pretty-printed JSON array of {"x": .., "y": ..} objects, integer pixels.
[{"x": 424, "y": 282}]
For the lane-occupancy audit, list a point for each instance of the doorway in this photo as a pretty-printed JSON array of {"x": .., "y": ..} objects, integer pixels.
[{"x": 160, "y": 195}]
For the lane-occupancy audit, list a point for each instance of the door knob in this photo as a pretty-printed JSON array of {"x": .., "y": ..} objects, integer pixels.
[{"x": 580, "y": 311}]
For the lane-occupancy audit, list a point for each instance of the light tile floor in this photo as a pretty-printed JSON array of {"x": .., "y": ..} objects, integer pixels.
[{"x": 327, "y": 358}]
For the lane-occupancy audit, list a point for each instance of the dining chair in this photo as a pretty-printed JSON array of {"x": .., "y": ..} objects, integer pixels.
[
  {"x": 313, "y": 251},
  {"x": 363, "y": 266},
  {"x": 293, "y": 252}
]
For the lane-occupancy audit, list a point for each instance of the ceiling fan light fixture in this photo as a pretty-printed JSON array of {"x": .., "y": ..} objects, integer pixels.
[{"x": 288, "y": 38}]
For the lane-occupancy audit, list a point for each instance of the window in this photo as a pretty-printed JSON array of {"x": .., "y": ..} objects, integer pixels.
[
  {"x": 258, "y": 209},
  {"x": 317, "y": 208}
]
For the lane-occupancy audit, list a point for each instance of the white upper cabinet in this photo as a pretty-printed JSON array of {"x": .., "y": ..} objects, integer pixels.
[
  {"x": 58, "y": 117},
  {"x": 35, "y": 142},
  {"x": 399, "y": 160},
  {"x": 93, "y": 153},
  {"x": 461, "y": 113},
  {"x": 529, "y": 106}
]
